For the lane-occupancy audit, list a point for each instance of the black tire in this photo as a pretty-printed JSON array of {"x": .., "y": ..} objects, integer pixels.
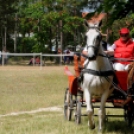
[
  {"x": 129, "y": 115},
  {"x": 68, "y": 105},
  {"x": 78, "y": 113}
]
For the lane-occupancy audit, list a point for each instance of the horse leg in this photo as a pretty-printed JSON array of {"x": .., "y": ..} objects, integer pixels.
[
  {"x": 102, "y": 112},
  {"x": 90, "y": 112}
]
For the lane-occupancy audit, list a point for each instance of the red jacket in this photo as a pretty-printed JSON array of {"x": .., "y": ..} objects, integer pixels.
[{"x": 124, "y": 50}]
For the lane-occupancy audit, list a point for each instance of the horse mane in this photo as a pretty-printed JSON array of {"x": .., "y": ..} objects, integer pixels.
[{"x": 130, "y": 78}]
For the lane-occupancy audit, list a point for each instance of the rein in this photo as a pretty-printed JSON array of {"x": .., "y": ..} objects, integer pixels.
[
  {"x": 95, "y": 72},
  {"x": 102, "y": 55},
  {"x": 93, "y": 47},
  {"x": 96, "y": 49},
  {"x": 98, "y": 73}
]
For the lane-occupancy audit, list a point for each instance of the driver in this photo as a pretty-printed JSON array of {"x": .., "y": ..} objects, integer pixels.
[{"x": 122, "y": 48}]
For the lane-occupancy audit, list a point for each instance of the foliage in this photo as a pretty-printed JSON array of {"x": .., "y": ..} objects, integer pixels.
[
  {"x": 119, "y": 15},
  {"x": 124, "y": 22},
  {"x": 59, "y": 20},
  {"x": 117, "y": 9},
  {"x": 23, "y": 47},
  {"x": 7, "y": 9},
  {"x": 43, "y": 19}
]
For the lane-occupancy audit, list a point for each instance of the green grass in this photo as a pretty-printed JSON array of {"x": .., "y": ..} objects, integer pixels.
[
  {"x": 31, "y": 88},
  {"x": 26, "y": 89},
  {"x": 54, "y": 123}
]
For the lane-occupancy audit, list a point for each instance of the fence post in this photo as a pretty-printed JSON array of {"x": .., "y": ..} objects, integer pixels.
[
  {"x": 41, "y": 61},
  {"x": 2, "y": 56},
  {"x": 33, "y": 59}
]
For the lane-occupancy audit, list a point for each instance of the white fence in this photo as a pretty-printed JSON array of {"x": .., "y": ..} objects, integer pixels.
[{"x": 6, "y": 57}]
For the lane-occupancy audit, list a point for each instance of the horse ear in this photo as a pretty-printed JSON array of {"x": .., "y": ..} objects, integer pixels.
[
  {"x": 100, "y": 23},
  {"x": 86, "y": 24}
]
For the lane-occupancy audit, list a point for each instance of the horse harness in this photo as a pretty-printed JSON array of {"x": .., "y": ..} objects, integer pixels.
[
  {"x": 104, "y": 74},
  {"x": 107, "y": 73},
  {"x": 98, "y": 73}
]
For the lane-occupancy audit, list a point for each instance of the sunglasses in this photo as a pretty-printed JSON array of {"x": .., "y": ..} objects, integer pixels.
[{"x": 123, "y": 35}]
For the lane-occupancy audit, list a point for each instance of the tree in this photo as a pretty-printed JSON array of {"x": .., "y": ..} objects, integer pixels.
[
  {"x": 117, "y": 9},
  {"x": 120, "y": 14},
  {"x": 43, "y": 18},
  {"x": 49, "y": 19},
  {"x": 6, "y": 19}
]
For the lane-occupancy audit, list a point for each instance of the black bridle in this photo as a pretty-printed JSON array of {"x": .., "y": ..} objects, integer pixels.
[{"x": 96, "y": 47}]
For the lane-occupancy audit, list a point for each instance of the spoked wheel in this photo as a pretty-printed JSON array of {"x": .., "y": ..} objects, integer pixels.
[
  {"x": 78, "y": 113},
  {"x": 129, "y": 115},
  {"x": 68, "y": 105}
]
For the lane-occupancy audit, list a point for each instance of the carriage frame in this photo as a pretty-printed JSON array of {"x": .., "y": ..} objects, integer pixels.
[{"x": 74, "y": 100}]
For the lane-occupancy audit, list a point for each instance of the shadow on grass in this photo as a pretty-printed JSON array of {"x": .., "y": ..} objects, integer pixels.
[{"x": 118, "y": 127}]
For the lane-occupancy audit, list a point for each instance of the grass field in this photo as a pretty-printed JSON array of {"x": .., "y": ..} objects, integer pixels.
[{"x": 26, "y": 92}]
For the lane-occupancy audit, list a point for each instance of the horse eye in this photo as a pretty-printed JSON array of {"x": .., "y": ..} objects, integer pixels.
[
  {"x": 99, "y": 37},
  {"x": 85, "y": 37}
]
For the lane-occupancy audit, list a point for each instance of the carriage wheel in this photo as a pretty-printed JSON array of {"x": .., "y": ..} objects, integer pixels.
[
  {"x": 68, "y": 105},
  {"x": 129, "y": 116},
  {"x": 78, "y": 113}
]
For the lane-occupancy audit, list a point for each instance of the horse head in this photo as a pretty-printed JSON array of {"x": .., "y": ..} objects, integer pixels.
[{"x": 94, "y": 38}]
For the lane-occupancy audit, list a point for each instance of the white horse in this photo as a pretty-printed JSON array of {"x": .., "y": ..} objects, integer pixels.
[{"x": 97, "y": 75}]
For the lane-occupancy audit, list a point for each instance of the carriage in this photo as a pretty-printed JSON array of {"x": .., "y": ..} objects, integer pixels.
[
  {"x": 74, "y": 100},
  {"x": 96, "y": 83}
]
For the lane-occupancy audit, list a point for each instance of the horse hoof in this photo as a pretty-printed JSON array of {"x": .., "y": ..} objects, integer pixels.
[
  {"x": 91, "y": 127},
  {"x": 100, "y": 131}
]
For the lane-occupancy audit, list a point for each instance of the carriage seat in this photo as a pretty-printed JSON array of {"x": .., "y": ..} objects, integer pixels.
[{"x": 122, "y": 79}]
